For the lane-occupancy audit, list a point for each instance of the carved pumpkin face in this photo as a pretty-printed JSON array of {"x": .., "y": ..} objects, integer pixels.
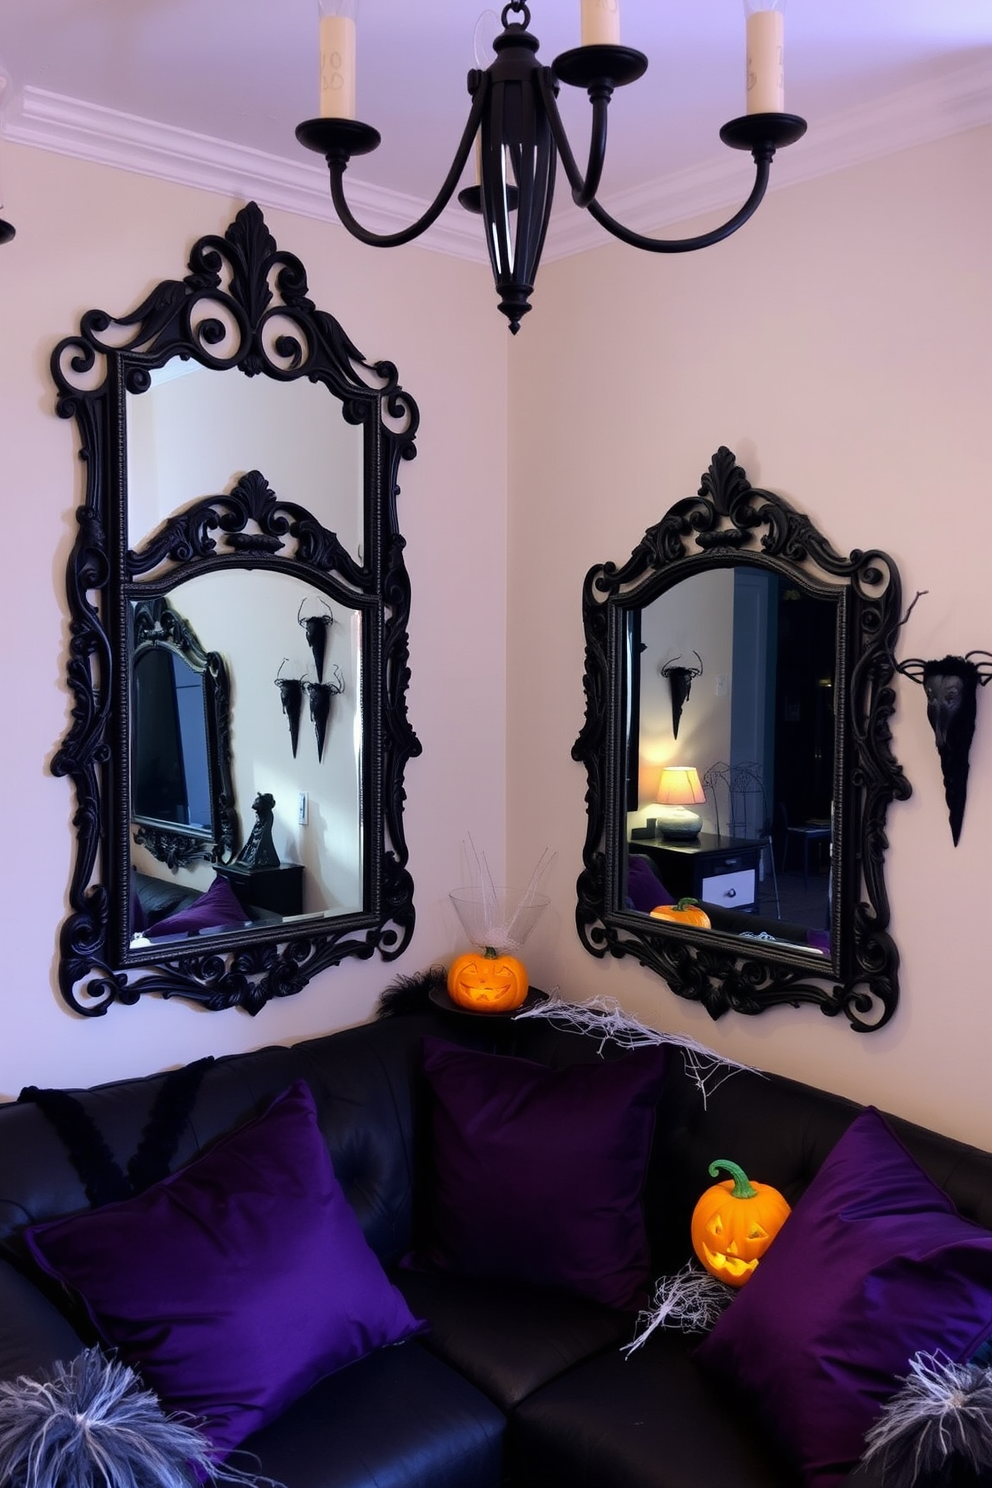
[
  {"x": 734, "y": 1223},
  {"x": 487, "y": 982}
]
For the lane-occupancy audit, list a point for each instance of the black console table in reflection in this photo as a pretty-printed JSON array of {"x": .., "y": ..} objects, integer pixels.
[
  {"x": 717, "y": 870},
  {"x": 278, "y": 889}
]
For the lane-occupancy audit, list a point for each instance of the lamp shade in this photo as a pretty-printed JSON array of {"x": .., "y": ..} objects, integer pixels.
[
  {"x": 678, "y": 789},
  {"x": 680, "y": 786}
]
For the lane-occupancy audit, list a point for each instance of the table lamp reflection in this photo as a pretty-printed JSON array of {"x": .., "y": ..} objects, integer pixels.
[{"x": 678, "y": 790}]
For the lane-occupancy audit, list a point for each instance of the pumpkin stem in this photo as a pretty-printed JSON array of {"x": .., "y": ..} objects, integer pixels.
[
  {"x": 684, "y": 904},
  {"x": 492, "y": 954},
  {"x": 743, "y": 1187}
]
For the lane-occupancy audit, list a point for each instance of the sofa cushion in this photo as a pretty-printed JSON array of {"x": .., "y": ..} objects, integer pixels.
[
  {"x": 509, "y": 1339},
  {"x": 538, "y": 1172},
  {"x": 399, "y": 1418},
  {"x": 873, "y": 1264},
  {"x": 237, "y": 1282},
  {"x": 653, "y": 1420}
]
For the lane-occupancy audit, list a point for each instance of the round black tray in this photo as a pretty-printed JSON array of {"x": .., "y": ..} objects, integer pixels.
[{"x": 439, "y": 997}]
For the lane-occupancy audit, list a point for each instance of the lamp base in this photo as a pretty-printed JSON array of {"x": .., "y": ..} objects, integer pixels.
[{"x": 678, "y": 823}]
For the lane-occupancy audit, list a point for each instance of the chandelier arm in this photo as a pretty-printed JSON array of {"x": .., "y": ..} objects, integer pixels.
[
  {"x": 337, "y": 164},
  {"x": 704, "y": 240},
  {"x": 584, "y": 187}
]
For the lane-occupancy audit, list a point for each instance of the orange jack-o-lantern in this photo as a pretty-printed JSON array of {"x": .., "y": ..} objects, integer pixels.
[
  {"x": 686, "y": 912},
  {"x": 487, "y": 982},
  {"x": 735, "y": 1222}
]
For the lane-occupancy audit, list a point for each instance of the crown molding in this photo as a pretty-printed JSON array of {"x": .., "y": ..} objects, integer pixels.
[
  {"x": 88, "y": 131},
  {"x": 928, "y": 111},
  {"x": 956, "y": 101}
]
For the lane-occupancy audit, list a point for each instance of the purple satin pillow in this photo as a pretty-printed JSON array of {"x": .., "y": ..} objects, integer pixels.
[
  {"x": 645, "y": 889},
  {"x": 873, "y": 1264},
  {"x": 539, "y": 1172},
  {"x": 237, "y": 1282},
  {"x": 218, "y": 906}
]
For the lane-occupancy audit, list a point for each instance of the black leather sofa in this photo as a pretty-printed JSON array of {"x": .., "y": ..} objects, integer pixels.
[{"x": 512, "y": 1385}]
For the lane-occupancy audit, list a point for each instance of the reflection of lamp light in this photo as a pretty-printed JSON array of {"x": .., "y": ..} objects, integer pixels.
[{"x": 678, "y": 789}]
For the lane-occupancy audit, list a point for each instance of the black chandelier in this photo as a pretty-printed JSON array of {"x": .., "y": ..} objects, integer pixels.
[{"x": 514, "y": 115}]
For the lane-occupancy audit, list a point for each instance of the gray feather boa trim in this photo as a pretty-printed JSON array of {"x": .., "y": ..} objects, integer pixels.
[
  {"x": 937, "y": 1431},
  {"x": 92, "y": 1424}
]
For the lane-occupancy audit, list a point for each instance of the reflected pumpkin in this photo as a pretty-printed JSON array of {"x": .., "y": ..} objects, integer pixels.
[
  {"x": 734, "y": 1223},
  {"x": 487, "y": 982},
  {"x": 686, "y": 912}
]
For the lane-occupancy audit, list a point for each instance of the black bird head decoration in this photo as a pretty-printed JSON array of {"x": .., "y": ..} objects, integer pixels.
[
  {"x": 680, "y": 680},
  {"x": 316, "y": 628},
  {"x": 951, "y": 686},
  {"x": 291, "y": 693},
  {"x": 320, "y": 695}
]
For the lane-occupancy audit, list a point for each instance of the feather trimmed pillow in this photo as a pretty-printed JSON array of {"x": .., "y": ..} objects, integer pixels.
[
  {"x": 91, "y": 1423},
  {"x": 873, "y": 1265},
  {"x": 237, "y": 1282},
  {"x": 936, "y": 1432}
]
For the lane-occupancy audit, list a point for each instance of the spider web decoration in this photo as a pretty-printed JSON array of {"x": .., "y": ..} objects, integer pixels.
[
  {"x": 692, "y": 1301},
  {"x": 604, "y": 1017}
]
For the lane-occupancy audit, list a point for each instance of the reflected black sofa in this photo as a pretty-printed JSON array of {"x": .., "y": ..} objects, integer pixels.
[{"x": 511, "y": 1385}]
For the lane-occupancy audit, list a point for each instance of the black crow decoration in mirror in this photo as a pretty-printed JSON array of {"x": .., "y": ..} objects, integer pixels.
[
  {"x": 680, "y": 679},
  {"x": 320, "y": 694},
  {"x": 951, "y": 685},
  {"x": 316, "y": 628},
  {"x": 291, "y": 693}
]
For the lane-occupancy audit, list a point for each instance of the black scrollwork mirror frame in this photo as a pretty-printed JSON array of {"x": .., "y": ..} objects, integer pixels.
[
  {"x": 156, "y": 627},
  {"x": 244, "y": 304},
  {"x": 729, "y": 522}
]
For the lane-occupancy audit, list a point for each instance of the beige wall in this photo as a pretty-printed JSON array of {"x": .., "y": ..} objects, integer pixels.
[
  {"x": 840, "y": 345},
  {"x": 90, "y": 236}
]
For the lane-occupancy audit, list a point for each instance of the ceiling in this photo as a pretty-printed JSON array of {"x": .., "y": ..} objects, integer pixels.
[{"x": 210, "y": 91}]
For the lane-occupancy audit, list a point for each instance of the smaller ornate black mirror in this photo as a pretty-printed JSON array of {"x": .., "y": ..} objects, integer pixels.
[
  {"x": 238, "y": 565},
  {"x": 768, "y": 810}
]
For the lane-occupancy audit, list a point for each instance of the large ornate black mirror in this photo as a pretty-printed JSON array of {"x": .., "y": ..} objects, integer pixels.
[
  {"x": 781, "y": 729},
  {"x": 239, "y": 607}
]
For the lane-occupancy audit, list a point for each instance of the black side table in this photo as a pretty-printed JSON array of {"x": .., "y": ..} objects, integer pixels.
[
  {"x": 277, "y": 889},
  {"x": 718, "y": 870}
]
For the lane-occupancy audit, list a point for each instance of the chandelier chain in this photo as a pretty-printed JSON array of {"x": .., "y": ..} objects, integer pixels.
[{"x": 519, "y": 8}]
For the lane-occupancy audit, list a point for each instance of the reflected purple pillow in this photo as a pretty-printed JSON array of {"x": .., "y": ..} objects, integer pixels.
[
  {"x": 645, "y": 890},
  {"x": 218, "y": 906},
  {"x": 873, "y": 1264},
  {"x": 539, "y": 1172},
  {"x": 237, "y": 1282}
]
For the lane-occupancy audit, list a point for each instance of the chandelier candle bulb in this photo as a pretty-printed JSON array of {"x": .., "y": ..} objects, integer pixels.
[
  {"x": 337, "y": 60},
  {"x": 600, "y": 22},
  {"x": 765, "y": 70}
]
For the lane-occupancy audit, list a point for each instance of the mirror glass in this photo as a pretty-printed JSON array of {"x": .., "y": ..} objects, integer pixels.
[
  {"x": 192, "y": 434},
  {"x": 737, "y": 747},
  {"x": 239, "y": 661},
  {"x": 758, "y": 725}
]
